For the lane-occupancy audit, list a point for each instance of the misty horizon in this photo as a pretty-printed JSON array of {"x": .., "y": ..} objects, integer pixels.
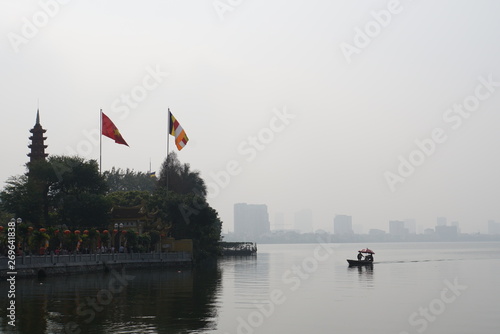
[{"x": 363, "y": 109}]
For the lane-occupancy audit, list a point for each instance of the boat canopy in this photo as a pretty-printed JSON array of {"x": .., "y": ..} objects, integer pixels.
[{"x": 367, "y": 250}]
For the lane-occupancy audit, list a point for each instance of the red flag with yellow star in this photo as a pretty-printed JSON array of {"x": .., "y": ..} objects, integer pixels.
[{"x": 110, "y": 130}]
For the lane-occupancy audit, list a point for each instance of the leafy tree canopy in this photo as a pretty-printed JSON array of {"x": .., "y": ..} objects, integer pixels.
[
  {"x": 129, "y": 198},
  {"x": 191, "y": 218},
  {"x": 62, "y": 190},
  {"x": 179, "y": 178},
  {"x": 70, "y": 190},
  {"x": 128, "y": 180}
]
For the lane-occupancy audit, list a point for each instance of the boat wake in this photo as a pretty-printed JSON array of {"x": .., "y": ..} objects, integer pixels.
[{"x": 422, "y": 260}]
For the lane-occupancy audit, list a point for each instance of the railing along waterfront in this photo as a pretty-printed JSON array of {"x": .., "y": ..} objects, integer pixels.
[{"x": 53, "y": 259}]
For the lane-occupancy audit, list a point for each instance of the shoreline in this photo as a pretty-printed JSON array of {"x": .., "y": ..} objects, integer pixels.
[{"x": 52, "y": 265}]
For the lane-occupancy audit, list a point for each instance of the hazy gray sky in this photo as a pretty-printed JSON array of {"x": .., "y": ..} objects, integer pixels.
[{"x": 382, "y": 110}]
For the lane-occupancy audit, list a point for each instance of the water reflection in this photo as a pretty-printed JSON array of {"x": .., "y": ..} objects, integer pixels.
[
  {"x": 147, "y": 301},
  {"x": 248, "y": 278},
  {"x": 365, "y": 274}
]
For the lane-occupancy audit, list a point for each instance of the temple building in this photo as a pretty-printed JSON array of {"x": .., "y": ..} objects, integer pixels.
[
  {"x": 139, "y": 220},
  {"x": 134, "y": 218},
  {"x": 37, "y": 141}
]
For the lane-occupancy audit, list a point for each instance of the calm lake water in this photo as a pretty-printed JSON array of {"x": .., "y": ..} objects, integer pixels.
[{"x": 444, "y": 288}]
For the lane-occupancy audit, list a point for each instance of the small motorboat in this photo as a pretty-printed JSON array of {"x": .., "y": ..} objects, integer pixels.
[
  {"x": 359, "y": 262},
  {"x": 367, "y": 261}
]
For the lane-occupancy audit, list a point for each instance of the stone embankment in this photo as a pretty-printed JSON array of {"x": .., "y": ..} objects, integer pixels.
[{"x": 50, "y": 265}]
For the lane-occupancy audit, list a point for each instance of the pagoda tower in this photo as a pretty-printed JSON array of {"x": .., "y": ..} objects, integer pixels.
[{"x": 37, "y": 141}]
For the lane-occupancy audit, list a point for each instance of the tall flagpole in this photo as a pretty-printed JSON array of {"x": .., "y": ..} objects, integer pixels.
[
  {"x": 100, "y": 143},
  {"x": 168, "y": 142},
  {"x": 168, "y": 129}
]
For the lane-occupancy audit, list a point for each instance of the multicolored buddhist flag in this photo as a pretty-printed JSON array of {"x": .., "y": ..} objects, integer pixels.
[
  {"x": 176, "y": 130},
  {"x": 110, "y": 130}
]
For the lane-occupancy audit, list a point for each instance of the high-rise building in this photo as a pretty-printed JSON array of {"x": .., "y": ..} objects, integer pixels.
[
  {"x": 441, "y": 221},
  {"x": 357, "y": 228},
  {"x": 429, "y": 231},
  {"x": 376, "y": 232},
  {"x": 447, "y": 232},
  {"x": 303, "y": 221},
  {"x": 397, "y": 227},
  {"x": 279, "y": 221},
  {"x": 251, "y": 220},
  {"x": 342, "y": 225},
  {"x": 411, "y": 225}
]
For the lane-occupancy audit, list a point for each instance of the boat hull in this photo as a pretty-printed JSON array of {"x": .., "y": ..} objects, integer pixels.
[{"x": 359, "y": 263}]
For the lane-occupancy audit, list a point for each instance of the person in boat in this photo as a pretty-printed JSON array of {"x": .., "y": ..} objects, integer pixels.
[
  {"x": 360, "y": 256},
  {"x": 369, "y": 257}
]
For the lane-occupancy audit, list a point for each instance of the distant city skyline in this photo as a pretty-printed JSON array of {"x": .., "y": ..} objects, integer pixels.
[
  {"x": 251, "y": 220},
  {"x": 280, "y": 222},
  {"x": 303, "y": 221},
  {"x": 348, "y": 225}
]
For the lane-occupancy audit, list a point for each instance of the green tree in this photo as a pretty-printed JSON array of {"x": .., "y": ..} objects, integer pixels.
[
  {"x": 3, "y": 241},
  {"x": 105, "y": 239},
  {"x": 92, "y": 237},
  {"x": 128, "y": 198},
  {"x": 55, "y": 238},
  {"x": 4, "y": 215},
  {"x": 191, "y": 218},
  {"x": 78, "y": 192},
  {"x": 61, "y": 190},
  {"x": 37, "y": 240},
  {"x": 128, "y": 180},
  {"x": 23, "y": 234},
  {"x": 180, "y": 178},
  {"x": 70, "y": 241},
  {"x": 23, "y": 198},
  {"x": 154, "y": 239},
  {"x": 144, "y": 242},
  {"x": 183, "y": 204},
  {"x": 132, "y": 240}
]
